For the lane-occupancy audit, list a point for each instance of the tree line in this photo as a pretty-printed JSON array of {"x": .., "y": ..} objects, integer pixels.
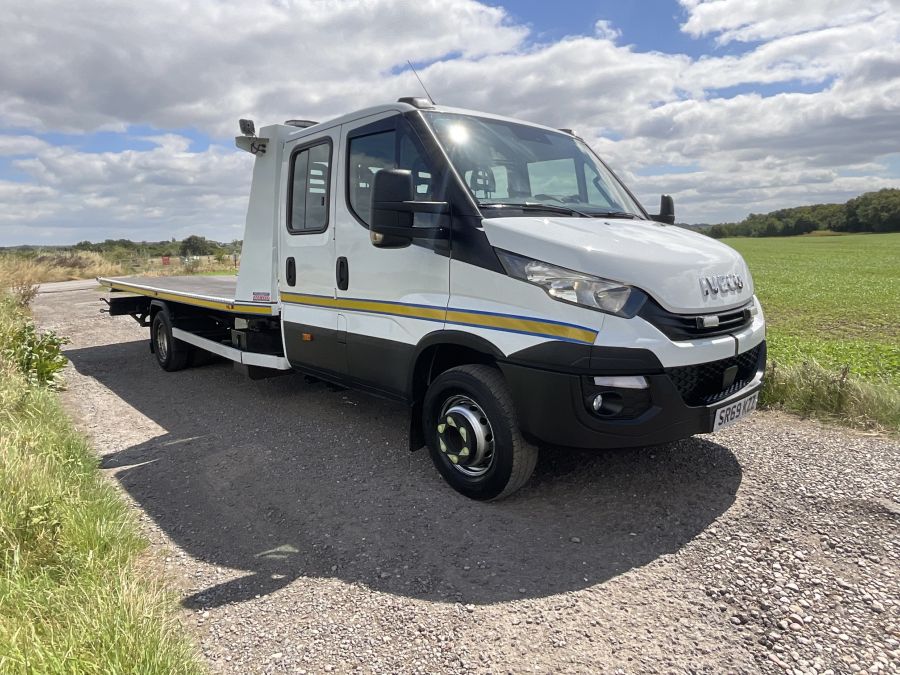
[
  {"x": 870, "y": 212},
  {"x": 193, "y": 245}
]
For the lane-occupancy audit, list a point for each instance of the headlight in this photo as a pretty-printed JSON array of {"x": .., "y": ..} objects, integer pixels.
[{"x": 575, "y": 287}]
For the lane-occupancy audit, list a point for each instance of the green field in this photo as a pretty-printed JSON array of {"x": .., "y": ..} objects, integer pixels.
[
  {"x": 832, "y": 305},
  {"x": 835, "y": 300}
]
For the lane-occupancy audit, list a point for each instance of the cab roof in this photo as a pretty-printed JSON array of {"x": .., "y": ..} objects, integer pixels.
[{"x": 401, "y": 106}]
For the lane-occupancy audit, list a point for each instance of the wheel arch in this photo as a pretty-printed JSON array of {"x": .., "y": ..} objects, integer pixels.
[
  {"x": 442, "y": 350},
  {"x": 436, "y": 353}
]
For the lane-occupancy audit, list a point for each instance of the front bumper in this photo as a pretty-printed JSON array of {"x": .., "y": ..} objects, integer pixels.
[{"x": 552, "y": 410}]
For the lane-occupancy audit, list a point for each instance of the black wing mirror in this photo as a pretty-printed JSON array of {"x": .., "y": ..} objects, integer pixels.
[
  {"x": 666, "y": 210},
  {"x": 394, "y": 207}
]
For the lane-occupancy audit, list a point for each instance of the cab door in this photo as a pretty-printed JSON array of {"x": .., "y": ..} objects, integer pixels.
[
  {"x": 306, "y": 280},
  {"x": 390, "y": 298}
]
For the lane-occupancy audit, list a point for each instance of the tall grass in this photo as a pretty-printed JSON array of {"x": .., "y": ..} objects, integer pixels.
[
  {"x": 73, "y": 598},
  {"x": 24, "y": 270},
  {"x": 812, "y": 390},
  {"x": 16, "y": 268}
]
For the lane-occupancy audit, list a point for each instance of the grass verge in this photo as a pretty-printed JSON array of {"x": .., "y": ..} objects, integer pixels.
[
  {"x": 72, "y": 598},
  {"x": 809, "y": 389}
]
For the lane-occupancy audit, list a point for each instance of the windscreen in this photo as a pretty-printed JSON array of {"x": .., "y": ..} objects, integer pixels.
[{"x": 504, "y": 163}]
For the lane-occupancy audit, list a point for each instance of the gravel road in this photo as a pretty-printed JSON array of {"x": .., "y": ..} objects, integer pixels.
[{"x": 304, "y": 537}]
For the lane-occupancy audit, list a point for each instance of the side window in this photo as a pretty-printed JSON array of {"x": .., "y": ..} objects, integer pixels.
[
  {"x": 423, "y": 178},
  {"x": 390, "y": 149},
  {"x": 368, "y": 155},
  {"x": 309, "y": 187}
]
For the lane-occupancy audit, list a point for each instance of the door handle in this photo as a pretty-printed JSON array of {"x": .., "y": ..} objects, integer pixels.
[
  {"x": 291, "y": 272},
  {"x": 342, "y": 272}
]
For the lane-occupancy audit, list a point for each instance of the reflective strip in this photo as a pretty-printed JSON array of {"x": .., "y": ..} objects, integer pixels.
[
  {"x": 503, "y": 322},
  {"x": 235, "y": 307},
  {"x": 521, "y": 325}
]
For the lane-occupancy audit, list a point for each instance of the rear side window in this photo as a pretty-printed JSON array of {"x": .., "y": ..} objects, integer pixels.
[{"x": 309, "y": 189}]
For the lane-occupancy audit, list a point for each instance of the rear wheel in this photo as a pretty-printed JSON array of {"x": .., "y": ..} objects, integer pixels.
[
  {"x": 473, "y": 433},
  {"x": 171, "y": 354}
]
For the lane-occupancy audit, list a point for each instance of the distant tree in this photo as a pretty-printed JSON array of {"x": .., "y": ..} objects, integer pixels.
[
  {"x": 196, "y": 245},
  {"x": 874, "y": 212}
]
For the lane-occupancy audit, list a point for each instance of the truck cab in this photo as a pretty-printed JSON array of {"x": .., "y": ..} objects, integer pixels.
[{"x": 497, "y": 277}]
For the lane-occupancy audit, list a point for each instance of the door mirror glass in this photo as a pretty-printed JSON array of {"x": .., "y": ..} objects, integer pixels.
[
  {"x": 391, "y": 188},
  {"x": 666, "y": 210}
]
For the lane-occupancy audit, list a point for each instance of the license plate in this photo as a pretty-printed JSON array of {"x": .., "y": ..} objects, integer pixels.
[{"x": 729, "y": 414}]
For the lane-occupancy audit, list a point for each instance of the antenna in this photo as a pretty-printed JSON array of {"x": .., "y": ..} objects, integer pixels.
[{"x": 420, "y": 82}]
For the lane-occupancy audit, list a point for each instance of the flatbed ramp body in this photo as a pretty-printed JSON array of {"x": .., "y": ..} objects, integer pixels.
[
  {"x": 216, "y": 292},
  {"x": 133, "y": 296}
]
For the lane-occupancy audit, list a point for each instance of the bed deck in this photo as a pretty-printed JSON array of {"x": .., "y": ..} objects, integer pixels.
[{"x": 213, "y": 292}]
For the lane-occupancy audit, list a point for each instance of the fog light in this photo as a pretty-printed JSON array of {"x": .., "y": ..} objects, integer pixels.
[{"x": 597, "y": 403}]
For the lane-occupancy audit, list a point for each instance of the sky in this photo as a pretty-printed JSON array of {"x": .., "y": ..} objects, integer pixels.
[{"x": 117, "y": 120}]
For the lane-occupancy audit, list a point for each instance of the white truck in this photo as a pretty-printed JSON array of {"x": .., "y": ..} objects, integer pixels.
[{"x": 493, "y": 274}]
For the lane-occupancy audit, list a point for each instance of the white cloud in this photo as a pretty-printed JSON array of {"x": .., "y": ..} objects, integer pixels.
[
  {"x": 171, "y": 66},
  {"x": 605, "y": 30},
  {"x": 92, "y": 64},
  {"x": 143, "y": 195},
  {"x": 14, "y": 145},
  {"x": 749, "y": 20}
]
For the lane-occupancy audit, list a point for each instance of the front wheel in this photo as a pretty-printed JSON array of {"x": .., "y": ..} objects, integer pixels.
[{"x": 473, "y": 433}]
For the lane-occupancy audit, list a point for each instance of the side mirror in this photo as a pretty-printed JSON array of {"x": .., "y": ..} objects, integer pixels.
[
  {"x": 666, "y": 210},
  {"x": 393, "y": 209},
  {"x": 247, "y": 127}
]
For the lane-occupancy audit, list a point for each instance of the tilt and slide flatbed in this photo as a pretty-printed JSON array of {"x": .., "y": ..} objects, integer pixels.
[{"x": 208, "y": 317}]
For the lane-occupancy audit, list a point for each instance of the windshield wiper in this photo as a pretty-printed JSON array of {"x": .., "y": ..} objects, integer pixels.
[
  {"x": 536, "y": 206},
  {"x": 614, "y": 214}
]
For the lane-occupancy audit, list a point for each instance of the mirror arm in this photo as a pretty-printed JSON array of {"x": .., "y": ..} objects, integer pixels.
[
  {"x": 413, "y": 207},
  {"x": 413, "y": 232}
]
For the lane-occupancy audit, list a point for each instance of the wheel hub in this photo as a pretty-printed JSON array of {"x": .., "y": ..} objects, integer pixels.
[
  {"x": 162, "y": 343},
  {"x": 465, "y": 436}
]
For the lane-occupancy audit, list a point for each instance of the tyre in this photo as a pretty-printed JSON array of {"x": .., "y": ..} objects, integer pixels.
[
  {"x": 473, "y": 433},
  {"x": 171, "y": 354}
]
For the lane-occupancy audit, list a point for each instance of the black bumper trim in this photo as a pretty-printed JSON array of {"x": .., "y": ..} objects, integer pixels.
[{"x": 551, "y": 410}]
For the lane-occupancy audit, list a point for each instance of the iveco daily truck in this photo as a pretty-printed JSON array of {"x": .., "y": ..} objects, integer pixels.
[{"x": 493, "y": 274}]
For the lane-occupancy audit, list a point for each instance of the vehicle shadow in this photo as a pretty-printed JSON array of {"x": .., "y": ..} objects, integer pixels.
[{"x": 283, "y": 479}]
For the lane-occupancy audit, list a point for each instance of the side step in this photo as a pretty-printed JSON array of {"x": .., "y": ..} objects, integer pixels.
[{"x": 244, "y": 358}]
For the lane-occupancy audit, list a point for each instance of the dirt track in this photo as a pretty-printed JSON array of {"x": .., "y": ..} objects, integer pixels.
[{"x": 305, "y": 538}]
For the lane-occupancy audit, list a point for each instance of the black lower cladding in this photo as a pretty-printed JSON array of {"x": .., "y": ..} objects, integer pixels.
[
  {"x": 375, "y": 365},
  {"x": 554, "y": 406}
]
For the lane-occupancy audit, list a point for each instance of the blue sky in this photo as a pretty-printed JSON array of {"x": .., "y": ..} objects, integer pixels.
[
  {"x": 650, "y": 25},
  {"x": 117, "y": 121}
]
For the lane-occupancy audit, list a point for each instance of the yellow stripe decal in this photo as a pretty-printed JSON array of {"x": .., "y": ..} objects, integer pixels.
[
  {"x": 502, "y": 322},
  {"x": 235, "y": 307}
]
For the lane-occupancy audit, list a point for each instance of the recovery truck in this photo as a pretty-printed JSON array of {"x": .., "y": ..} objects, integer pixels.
[{"x": 493, "y": 274}]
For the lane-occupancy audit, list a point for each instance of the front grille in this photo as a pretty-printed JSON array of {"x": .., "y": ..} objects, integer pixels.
[
  {"x": 688, "y": 326},
  {"x": 702, "y": 384}
]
